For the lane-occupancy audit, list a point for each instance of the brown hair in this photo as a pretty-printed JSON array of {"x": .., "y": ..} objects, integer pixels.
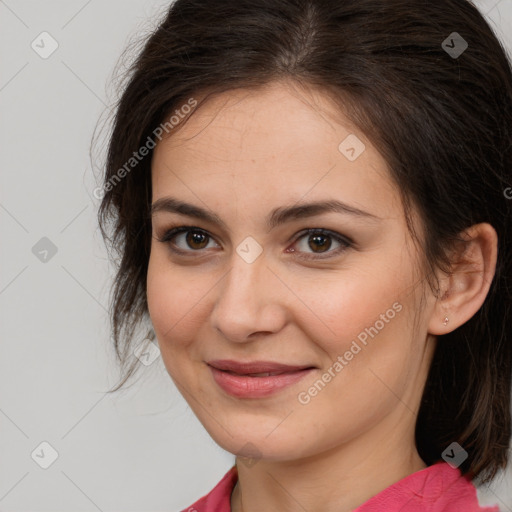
[{"x": 442, "y": 121}]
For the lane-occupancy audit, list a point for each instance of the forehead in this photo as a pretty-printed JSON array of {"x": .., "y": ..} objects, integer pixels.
[
  {"x": 276, "y": 140},
  {"x": 248, "y": 120}
]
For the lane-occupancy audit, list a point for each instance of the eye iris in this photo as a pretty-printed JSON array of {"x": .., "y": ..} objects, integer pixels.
[
  {"x": 194, "y": 237},
  {"x": 320, "y": 241}
]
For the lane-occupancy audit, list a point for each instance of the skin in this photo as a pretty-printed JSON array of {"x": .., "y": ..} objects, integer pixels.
[{"x": 240, "y": 156}]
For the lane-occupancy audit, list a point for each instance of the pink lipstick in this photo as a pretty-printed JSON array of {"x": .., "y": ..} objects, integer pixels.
[{"x": 256, "y": 379}]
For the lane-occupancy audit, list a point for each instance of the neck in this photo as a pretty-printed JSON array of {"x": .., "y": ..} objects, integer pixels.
[{"x": 338, "y": 480}]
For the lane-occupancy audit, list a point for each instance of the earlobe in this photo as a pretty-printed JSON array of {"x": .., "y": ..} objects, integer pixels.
[{"x": 463, "y": 291}]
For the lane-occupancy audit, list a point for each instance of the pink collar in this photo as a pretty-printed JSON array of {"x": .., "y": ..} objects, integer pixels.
[{"x": 437, "y": 488}]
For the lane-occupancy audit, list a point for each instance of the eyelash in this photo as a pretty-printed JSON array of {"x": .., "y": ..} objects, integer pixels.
[{"x": 345, "y": 242}]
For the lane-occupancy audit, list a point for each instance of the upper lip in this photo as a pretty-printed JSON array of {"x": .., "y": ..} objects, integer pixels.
[{"x": 246, "y": 368}]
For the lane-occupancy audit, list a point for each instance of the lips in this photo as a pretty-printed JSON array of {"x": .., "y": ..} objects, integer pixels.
[
  {"x": 256, "y": 368},
  {"x": 256, "y": 379}
]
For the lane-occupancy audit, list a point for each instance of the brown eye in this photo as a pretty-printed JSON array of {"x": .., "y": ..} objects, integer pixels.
[
  {"x": 196, "y": 239},
  {"x": 187, "y": 239},
  {"x": 319, "y": 242}
]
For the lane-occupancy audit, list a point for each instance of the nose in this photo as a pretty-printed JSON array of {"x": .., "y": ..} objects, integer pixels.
[{"x": 249, "y": 301}]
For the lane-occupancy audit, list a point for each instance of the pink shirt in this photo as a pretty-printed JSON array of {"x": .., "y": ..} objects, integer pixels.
[{"x": 437, "y": 488}]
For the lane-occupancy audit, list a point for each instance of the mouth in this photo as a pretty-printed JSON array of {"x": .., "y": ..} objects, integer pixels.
[
  {"x": 256, "y": 368},
  {"x": 263, "y": 374},
  {"x": 257, "y": 379}
]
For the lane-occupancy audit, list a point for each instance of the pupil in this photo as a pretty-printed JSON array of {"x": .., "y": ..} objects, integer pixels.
[
  {"x": 317, "y": 242},
  {"x": 194, "y": 237}
]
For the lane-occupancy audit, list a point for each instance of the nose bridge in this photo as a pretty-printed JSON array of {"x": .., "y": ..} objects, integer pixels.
[
  {"x": 248, "y": 268},
  {"x": 245, "y": 283},
  {"x": 244, "y": 303}
]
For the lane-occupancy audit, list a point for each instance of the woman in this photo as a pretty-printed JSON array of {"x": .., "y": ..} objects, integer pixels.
[{"x": 309, "y": 200}]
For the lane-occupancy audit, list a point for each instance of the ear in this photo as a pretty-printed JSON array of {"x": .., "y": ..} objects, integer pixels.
[{"x": 463, "y": 291}]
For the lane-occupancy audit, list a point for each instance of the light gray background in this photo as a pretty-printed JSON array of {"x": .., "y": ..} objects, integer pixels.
[{"x": 142, "y": 449}]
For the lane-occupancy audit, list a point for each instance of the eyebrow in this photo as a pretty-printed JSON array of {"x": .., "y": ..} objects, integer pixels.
[{"x": 277, "y": 217}]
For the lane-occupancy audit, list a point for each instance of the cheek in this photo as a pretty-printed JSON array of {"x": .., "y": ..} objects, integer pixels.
[
  {"x": 368, "y": 348},
  {"x": 349, "y": 305},
  {"x": 369, "y": 319},
  {"x": 171, "y": 308},
  {"x": 172, "y": 303}
]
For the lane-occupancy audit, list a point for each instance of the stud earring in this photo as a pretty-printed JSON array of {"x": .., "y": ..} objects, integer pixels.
[{"x": 445, "y": 322}]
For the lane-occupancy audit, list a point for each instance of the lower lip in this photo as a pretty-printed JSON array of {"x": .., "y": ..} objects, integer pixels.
[{"x": 242, "y": 386}]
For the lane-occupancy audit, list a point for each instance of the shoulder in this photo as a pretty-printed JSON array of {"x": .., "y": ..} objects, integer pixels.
[{"x": 219, "y": 498}]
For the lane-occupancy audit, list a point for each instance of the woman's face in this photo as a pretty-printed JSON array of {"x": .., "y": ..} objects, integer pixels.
[{"x": 250, "y": 284}]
